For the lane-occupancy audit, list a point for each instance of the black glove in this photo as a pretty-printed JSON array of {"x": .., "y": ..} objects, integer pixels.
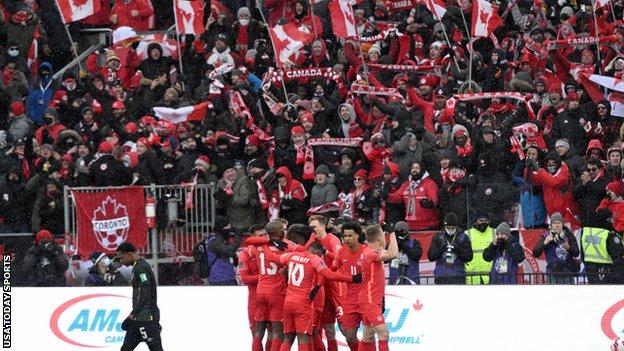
[
  {"x": 356, "y": 278},
  {"x": 314, "y": 291},
  {"x": 135, "y": 45},
  {"x": 279, "y": 244},
  {"x": 383, "y": 305},
  {"x": 126, "y": 323},
  {"x": 426, "y": 203}
]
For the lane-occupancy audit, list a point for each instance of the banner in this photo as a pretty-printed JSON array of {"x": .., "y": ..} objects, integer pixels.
[
  {"x": 450, "y": 103},
  {"x": 403, "y": 68},
  {"x": 106, "y": 219}
]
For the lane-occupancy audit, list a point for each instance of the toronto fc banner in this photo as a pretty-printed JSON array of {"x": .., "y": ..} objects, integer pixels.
[{"x": 108, "y": 218}]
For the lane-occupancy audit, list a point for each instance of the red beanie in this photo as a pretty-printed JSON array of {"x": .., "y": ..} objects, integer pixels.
[
  {"x": 361, "y": 173},
  {"x": 43, "y": 234},
  {"x": 616, "y": 187},
  {"x": 203, "y": 161},
  {"x": 105, "y": 147},
  {"x": 307, "y": 117},
  {"x": 252, "y": 140},
  {"x": 17, "y": 108},
  {"x": 131, "y": 127},
  {"x": 554, "y": 88},
  {"x": 297, "y": 130},
  {"x": 144, "y": 141}
]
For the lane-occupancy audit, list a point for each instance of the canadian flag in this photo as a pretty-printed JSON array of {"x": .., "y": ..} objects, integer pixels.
[
  {"x": 183, "y": 114},
  {"x": 436, "y": 7},
  {"x": 288, "y": 39},
  {"x": 342, "y": 18},
  {"x": 592, "y": 83},
  {"x": 190, "y": 16},
  {"x": 33, "y": 53},
  {"x": 600, "y": 3},
  {"x": 75, "y": 10},
  {"x": 484, "y": 18}
]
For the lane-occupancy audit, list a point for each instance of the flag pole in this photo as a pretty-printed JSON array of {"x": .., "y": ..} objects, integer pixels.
[
  {"x": 274, "y": 52},
  {"x": 596, "y": 35},
  {"x": 469, "y": 40},
  {"x": 312, "y": 17},
  {"x": 357, "y": 34},
  {"x": 448, "y": 41},
  {"x": 71, "y": 40},
  {"x": 178, "y": 37}
]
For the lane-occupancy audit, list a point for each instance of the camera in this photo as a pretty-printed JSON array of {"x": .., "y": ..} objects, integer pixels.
[{"x": 401, "y": 234}]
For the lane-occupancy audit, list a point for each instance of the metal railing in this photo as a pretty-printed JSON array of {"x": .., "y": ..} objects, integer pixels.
[{"x": 184, "y": 215}]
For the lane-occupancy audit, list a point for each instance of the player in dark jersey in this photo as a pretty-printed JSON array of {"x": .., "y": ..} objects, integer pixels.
[{"x": 142, "y": 324}]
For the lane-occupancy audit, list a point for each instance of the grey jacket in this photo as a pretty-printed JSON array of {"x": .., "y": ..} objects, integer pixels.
[
  {"x": 20, "y": 127},
  {"x": 323, "y": 194}
]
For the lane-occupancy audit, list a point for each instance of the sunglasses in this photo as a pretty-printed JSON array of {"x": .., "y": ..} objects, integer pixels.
[
  {"x": 280, "y": 176},
  {"x": 358, "y": 178},
  {"x": 593, "y": 169},
  {"x": 602, "y": 107}
]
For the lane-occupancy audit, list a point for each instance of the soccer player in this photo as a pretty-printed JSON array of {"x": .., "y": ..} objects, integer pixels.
[
  {"x": 303, "y": 268},
  {"x": 334, "y": 290},
  {"x": 370, "y": 298},
  {"x": 142, "y": 324},
  {"x": 249, "y": 274},
  {"x": 346, "y": 261}
]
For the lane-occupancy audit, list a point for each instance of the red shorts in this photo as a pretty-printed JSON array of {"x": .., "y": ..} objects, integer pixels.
[
  {"x": 251, "y": 310},
  {"x": 351, "y": 318},
  {"x": 269, "y": 307},
  {"x": 298, "y": 318},
  {"x": 371, "y": 314}
]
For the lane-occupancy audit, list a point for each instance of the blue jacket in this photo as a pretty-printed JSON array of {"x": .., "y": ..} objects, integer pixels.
[
  {"x": 40, "y": 95},
  {"x": 221, "y": 268},
  {"x": 407, "y": 268},
  {"x": 531, "y": 199}
]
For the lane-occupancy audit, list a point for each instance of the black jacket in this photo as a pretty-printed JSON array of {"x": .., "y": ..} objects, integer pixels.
[
  {"x": 45, "y": 266},
  {"x": 108, "y": 171}
]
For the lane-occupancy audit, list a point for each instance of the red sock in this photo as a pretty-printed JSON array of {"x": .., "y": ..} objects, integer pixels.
[
  {"x": 304, "y": 347},
  {"x": 383, "y": 345},
  {"x": 366, "y": 346},
  {"x": 332, "y": 345},
  {"x": 275, "y": 344},
  {"x": 257, "y": 344},
  {"x": 318, "y": 343},
  {"x": 285, "y": 346},
  {"x": 267, "y": 344},
  {"x": 353, "y": 346}
]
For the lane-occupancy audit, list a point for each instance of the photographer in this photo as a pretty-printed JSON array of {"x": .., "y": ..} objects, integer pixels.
[
  {"x": 561, "y": 248},
  {"x": 45, "y": 263},
  {"x": 505, "y": 254},
  {"x": 221, "y": 254},
  {"x": 405, "y": 270},
  {"x": 104, "y": 272},
  {"x": 450, "y": 250}
]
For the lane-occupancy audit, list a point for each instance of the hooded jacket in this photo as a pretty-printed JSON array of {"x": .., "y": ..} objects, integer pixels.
[
  {"x": 40, "y": 94},
  {"x": 288, "y": 201},
  {"x": 144, "y": 21},
  {"x": 152, "y": 68}
]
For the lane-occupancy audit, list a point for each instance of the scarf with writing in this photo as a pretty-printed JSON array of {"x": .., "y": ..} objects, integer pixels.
[{"x": 308, "y": 167}]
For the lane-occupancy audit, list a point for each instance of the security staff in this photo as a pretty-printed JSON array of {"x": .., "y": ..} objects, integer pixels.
[
  {"x": 481, "y": 235},
  {"x": 142, "y": 324},
  {"x": 602, "y": 250}
]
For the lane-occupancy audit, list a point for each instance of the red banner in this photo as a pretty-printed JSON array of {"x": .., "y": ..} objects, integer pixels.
[{"x": 108, "y": 218}]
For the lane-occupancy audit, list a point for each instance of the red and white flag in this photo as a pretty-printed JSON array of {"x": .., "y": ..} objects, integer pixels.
[
  {"x": 484, "y": 18},
  {"x": 190, "y": 16},
  {"x": 288, "y": 39},
  {"x": 183, "y": 114},
  {"x": 592, "y": 83},
  {"x": 342, "y": 18},
  {"x": 75, "y": 10},
  {"x": 600, "y": 3},
  {"x": 33, "y": 53},
  {"x": 436, "y": 7}
]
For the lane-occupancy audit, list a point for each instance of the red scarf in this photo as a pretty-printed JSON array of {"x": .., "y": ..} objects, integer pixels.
[
  {"x": 243, "y": 36},
  {"x": 464, "y": 151},
  {"x": 6, "y": 77}
]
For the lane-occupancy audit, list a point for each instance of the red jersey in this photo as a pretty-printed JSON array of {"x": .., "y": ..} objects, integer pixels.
[
  {"x": 248, "y": 272},
  {"x": 373, "y": 278},
  {"x": 347, "y": 262},
  {"x": 302, "y": 275},
  {"x": 270, "y": 280},
  {"x": 332, "y": 244}
]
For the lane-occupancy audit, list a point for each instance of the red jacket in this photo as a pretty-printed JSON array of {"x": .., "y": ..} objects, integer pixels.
[
  {"x": 143, "y": 22},
  {"x": 425, "y": 106},
  {"x": 410, "y": 193},
  {"x": 279, "y": 9},
  {"x": 617, "y": 209},
  {"x": 558, "y": 193}
]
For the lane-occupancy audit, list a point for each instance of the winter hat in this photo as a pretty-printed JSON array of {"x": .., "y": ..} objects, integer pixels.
[
  {"x": 374, "y": 48},
  {"x": 556, "y": 217},
  {"x": 223, "y": 140},
  {"x": 145, "y": 142},
  {"x": 252, "y": 140},
  {"x": 307, "y": 117},
  {"x": 96, "y": 257},
  {"x": 503, "y": 228},
  {"x": 361, "y": 173},
  {"x": 438, "y": 27},
  {"x": 51, "y": 111},
  {"x": 554, "y": 88},
  {"x": 401, "y": 226},
  {"x": 105, "y": 147},
  {"x": 566, "y": 11},
  {"x": 450, "y": 220},
  {"x": 522, "y": 82},
  {"x": 131, "y": 128},
  {"x": 220, "y": 223},
  {"x": 562, "y": 142},
  {"x": 111, "y": 55},
  {"x": 118, "y": 105},
  {"x": 297, "y": 130},
  {"x": 43, "y": 235},
  {"x": 203, "y": 161},
  {"x": 258, "y": 163},
  {"x": 347, "y": 152},
  {"x": 616, "y": 187},
  {"x": 243, "y": 11},
  {"x": 17, "y": 108},
  {"x": 322, "y": 169}
]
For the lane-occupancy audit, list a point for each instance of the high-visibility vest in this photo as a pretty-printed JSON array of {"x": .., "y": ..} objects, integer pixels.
[
  {"x": 594, "y": 244},
  {"x": 479, "y": 241}
]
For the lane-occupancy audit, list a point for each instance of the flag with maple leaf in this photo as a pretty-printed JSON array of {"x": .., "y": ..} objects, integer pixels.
[
  {"x": 189, "y": 16},
  {"x": 75, "y": 10},
  {"x": 342, "y": 18},
  {"x": 484, "y": 18},
  {"x": 288, "y": 39}
]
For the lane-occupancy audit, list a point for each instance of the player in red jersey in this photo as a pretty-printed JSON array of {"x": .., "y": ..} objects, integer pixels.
[
  {"x": 303, "y": 268},
  {"x": 334, "y": 290},
  {"x": 249, "y": 274},
  {"x": 373, "y": 287},
  {"x": 346, "y": 262}
]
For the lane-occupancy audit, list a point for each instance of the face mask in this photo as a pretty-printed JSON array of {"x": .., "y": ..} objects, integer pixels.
[
  {"x": 481, "y": 227},
  {"x": 13, "y": 52},
  {"x": 70, "y": 86},
  {"x": 243, "y": 21},
  {"x": 450, "y": 232},
  {"x": 49, "y": 120},
  {"x": 552, "y": 169},
  {"x": 415, "y": 176}
]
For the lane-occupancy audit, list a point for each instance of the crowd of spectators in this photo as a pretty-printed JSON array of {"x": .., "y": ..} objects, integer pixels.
[{"x": 310, "y": 145}]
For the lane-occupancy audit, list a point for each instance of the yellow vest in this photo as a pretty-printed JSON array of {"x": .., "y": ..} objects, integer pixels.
[
  {"x": 478, "y": 270},
  {"x": 594, "y": 243}
]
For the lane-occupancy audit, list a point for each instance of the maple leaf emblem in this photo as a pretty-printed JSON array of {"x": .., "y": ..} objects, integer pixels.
[
  {"x": 79, "y": 3},
  {"x": 111, "y": 223},
  {"x": 483, "y": 16},
  {"x": 417, "y": 305}
]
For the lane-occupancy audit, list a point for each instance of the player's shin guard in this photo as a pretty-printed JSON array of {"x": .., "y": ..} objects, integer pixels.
[
  {"x": 353, "y": 345},
  {"x": 332, "y": 345},
  {"x": 383, "y": 345},
  {"x": 267, "y": 344},
  {"x": 257, "y": 344}
]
